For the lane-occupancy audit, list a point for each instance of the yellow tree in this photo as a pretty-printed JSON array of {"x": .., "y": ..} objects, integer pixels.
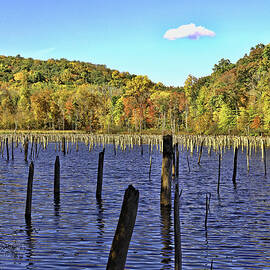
[{"x": 136, "y": 96}]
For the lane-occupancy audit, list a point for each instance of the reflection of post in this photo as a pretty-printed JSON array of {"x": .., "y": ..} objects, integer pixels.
[
  {"x": 100, "y": 221},
  {"x": 177, "y": 231},
  {"x": 166, "y": 173},
  {"x": 166, "y": 223},
  {"x": 124, "y": 230},
  {"x": 29, "y": 240}
]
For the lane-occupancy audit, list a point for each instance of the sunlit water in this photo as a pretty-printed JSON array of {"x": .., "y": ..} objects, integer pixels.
[{"x": 77, "y": 233}]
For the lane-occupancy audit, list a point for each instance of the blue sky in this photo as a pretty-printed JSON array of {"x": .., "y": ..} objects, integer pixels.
[{"x": 129, "y": 35}]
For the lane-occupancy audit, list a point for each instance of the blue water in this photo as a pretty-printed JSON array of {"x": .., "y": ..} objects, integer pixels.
[{"x": 77, "y": 232}]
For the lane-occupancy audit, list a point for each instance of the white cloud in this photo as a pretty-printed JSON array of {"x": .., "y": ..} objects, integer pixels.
[{"x": 190, "y": 31}]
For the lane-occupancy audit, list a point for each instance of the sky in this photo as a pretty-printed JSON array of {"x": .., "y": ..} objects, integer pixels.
[{"x": 165, "y": 40}]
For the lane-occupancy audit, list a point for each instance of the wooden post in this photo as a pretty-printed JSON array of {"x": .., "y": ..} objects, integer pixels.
[
  {"x": 26, "y": 149},
  {"x": 219, "y": 165},
  {"x": 264, "y": 157},
  {"x": 235, "y": 166},
  {"x": 12, "y": 148},
  {"x": 173, "y": 163},
  {"x": 177, "y": 160},
  {"x": 166, "y": 172},
  {"x": 57, "y": 178},
  {"x": 177, "y": 231},
  {"x": 100, "y": 174},
  {"x": 150, "y": 166},
  {"x": 64, "y": 145},
  {"x": 247, "y": 155},
  {"x": 207, "y": 209},
  {"x": 114, "y": 147},
  {"x": 200, "y": 154},
  {"x": 7, "y": 149},
  {"x": 141, "y": 143},
  {"x": 124, "y": 230},
  {"x": 28, "y": 207}
]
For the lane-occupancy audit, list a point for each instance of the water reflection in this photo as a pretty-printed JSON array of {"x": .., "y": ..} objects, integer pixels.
[
  {"x": 100, "y": 219},
  {"x": 29, "y": 242},
  {"x": 57, "y": 205},
  {"x": 166, "y": 236}
]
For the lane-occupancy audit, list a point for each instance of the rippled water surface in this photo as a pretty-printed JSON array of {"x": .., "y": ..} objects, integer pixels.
[{"x": 77, "y": 233}]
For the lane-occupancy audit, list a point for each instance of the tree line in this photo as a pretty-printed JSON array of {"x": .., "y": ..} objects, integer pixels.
[{"x": 74, "y": 95}]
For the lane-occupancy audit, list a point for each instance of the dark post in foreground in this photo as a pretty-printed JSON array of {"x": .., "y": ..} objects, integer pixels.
[
  {"x": 166, "y": 171},
  {"x": 124, "y": 230},
  {"x": 177, "y": 231},
  {"x": 100, "y": 174},
  {"x": 235, "y": 166},
  {"x": 28, "y": 207},
  {"x": 57, "y": 178}
]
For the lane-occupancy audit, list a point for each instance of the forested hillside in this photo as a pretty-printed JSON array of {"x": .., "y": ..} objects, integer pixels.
[{"x": 62, "y": 94}]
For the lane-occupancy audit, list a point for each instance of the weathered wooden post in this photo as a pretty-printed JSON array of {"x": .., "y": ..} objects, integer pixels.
[
  {"x": 26, "y": 149},
  {"x": 177, "y": 231},
  {"x": 247, "y": 155},
  {"x": 141, "y": 144},
  {"x": 173, "y": 163},
  {"x": 12, "y": 148},
  {"x": 235, "y": 166},
  {"x": 207, "y": 209},
  {"x": 219, "y": 165},
  {"x": 166, "y": 171},
  {"x": 200, "y": 154},
  {"x": 150, "y": 165},
  {"x": 7, "y": 149},
  {"x": 264, "y": 157},
  {"x": 57, "y": 179},
  {"x": 64, "y": 145},
  {"x": 114, "y": 147},
  {"x": 177, "y": 160},
  {"x": 124, "y": 230},
  {"x": 28, "y": 207},
  {"x": 100, "y": 174}
]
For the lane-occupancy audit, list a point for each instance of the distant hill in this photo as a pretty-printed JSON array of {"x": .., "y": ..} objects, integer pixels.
[{"x": 62, "y": 94}]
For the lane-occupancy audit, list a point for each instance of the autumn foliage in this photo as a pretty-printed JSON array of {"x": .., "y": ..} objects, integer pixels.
[{"x": 62, "y": 94}]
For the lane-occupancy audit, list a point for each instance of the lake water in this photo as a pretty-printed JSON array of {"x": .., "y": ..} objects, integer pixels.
[{"x": 77, "y": 233}]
